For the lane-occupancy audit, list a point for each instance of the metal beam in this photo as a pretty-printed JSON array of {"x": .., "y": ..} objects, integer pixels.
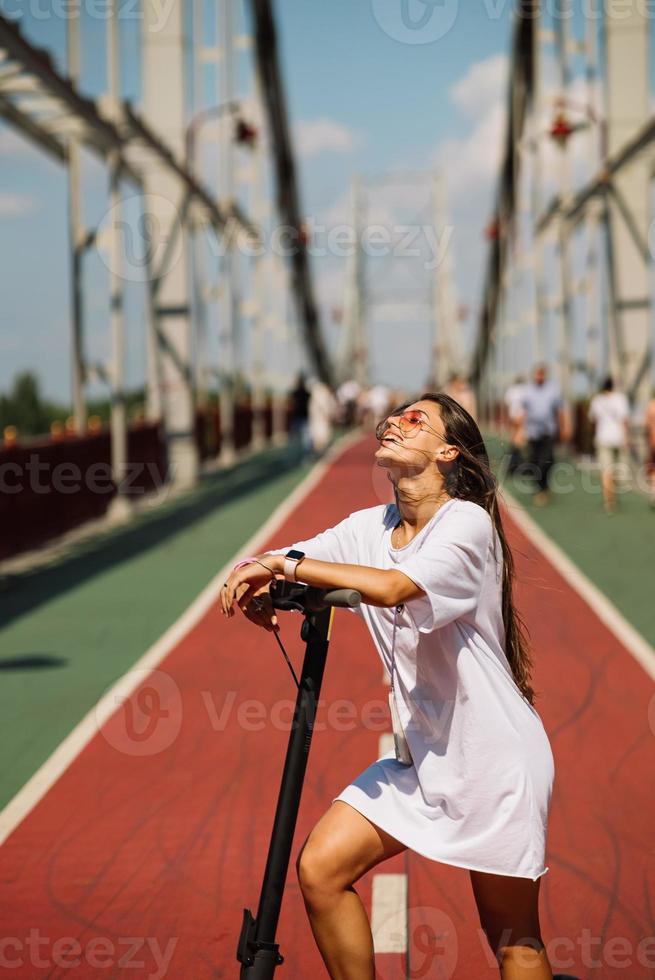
[
  {"x": 287, "y": 190},
  {"x": 29, "y": 71},
  {"x": 36, "y": 65},
  {"x": 136, "y": 130},
  {"x": 32, "y": 130},
  {"x": 521, "y": 88},
  {"x": 573, "y": 209}
]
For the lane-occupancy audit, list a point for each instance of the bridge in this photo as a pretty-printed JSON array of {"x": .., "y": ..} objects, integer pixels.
[{"x": 220, "y": 363}]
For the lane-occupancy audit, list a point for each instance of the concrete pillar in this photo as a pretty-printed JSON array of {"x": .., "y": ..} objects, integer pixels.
[
  {"x": 628, "y": 105},
  {"x": 165, "y": 60},
  {"x": 76, "y": 237}
]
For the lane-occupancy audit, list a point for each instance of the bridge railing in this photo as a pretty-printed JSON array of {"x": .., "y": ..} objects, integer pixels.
[{"x": 50, "y": 486}]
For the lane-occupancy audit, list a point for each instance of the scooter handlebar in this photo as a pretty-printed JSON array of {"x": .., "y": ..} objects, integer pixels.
[
  {"x": 341, "y": 598},
  {"x": 292, "y": 596}
]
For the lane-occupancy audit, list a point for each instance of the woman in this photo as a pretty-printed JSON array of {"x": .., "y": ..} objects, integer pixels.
[
  {"x": 609, "y": 410},
  {"x": 477, "y": 791}
]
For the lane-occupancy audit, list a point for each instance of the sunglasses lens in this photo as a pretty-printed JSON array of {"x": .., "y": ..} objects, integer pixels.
[{"x": 409, "y": 422}]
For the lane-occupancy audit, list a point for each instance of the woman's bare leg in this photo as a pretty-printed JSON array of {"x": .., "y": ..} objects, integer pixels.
[
  {"x": 609, "y": 494},
  {"x": 342, "y": 847},
  {"x": 509, "y": 914}
]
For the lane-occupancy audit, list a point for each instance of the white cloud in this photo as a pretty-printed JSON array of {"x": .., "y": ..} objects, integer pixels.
[
  {"x": 473, "y": 159},
  {"x": 314, "y": 136},
  {"x": 16, "y": 205},
  {"x": 484, "y": 83},
  {"x": 471, "y": 163}
]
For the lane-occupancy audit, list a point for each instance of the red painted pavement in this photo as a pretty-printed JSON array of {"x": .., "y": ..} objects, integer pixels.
[
  {"x": 150, "y": 845},
  {"x": 598, "y": 898}
]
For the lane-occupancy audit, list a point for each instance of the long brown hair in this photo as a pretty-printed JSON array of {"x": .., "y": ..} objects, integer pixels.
[{"x": 471, "y": 478}]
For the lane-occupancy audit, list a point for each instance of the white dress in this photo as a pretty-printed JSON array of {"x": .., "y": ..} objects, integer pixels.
[{"x": 478, "y": 793}]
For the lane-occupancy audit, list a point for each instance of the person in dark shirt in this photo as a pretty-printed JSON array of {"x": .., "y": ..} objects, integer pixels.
[
  {"x": 299, "y": 421},
  {"x": 545, "y": 422}
]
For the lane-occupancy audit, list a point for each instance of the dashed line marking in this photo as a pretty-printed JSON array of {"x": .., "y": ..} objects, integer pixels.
[{"x": 389, "y": 913}]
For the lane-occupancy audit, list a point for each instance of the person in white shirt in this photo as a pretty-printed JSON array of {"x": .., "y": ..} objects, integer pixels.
[
  {"x": 347, "y": 394},
  {"x": 435, "y": 573},
  {"x": 516, "y": 422},
  {"x": 609, "y": 410},
  {"x": 321, "y": 414}
]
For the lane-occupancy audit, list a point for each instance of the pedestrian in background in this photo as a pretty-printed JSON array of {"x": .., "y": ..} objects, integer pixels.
[
  {"x": 545, "y": 422},
  {"x": 299, "y": 421},
  {"x": 459, "y": 388},
  {"x": 322, "y": 414},
  {"x": 374, "y": 403},
  {"x": 650, "y": 446},
  {"x": 516, "y": 422},
  {"x": 609, "y": 410},
  {"x": 347, "y": 394}
]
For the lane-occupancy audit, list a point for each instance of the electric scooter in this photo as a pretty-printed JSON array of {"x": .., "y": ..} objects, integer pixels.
[{"x": 257, "y": 950}]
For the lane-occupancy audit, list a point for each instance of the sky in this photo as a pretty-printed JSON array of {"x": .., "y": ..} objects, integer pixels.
[{"x": 373, "y": 87}]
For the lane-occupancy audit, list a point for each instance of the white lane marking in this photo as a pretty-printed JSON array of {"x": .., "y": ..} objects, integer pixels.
[
  {"x": 389, "y": 913},
  {"x": 56, "y": 764},
  {"x": 385, "y": 744},
  {"x": 601, "y": 606}
]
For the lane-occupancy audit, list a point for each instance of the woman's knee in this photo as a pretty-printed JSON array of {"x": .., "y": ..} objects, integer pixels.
[{"x": 318, "y": 873}]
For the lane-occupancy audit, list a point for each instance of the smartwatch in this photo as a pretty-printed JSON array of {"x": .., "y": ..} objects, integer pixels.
[{"x": 290, "y": 561}]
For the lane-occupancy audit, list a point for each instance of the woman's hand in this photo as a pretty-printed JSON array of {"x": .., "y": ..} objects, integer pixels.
[
  {"x": 260, "y": 609},
  {"x": 249, "y": 586}
]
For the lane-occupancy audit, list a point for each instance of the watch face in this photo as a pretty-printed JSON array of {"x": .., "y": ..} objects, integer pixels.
[{"x": 294, "y": 553}]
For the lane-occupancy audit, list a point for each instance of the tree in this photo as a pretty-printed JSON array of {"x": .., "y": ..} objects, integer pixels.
[{"x": 23, "y": 407}]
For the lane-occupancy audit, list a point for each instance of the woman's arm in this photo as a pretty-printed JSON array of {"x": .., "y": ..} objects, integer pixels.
[{"x": 377, "y": 586}]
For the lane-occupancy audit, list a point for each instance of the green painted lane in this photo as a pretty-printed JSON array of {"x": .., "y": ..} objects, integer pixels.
[
  {"x": 616, "y": 553},
  {"x": 71, "y": 630}
]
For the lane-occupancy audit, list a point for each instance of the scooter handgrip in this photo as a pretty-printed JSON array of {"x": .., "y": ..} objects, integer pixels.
[{"x": 342, "y": 598}]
